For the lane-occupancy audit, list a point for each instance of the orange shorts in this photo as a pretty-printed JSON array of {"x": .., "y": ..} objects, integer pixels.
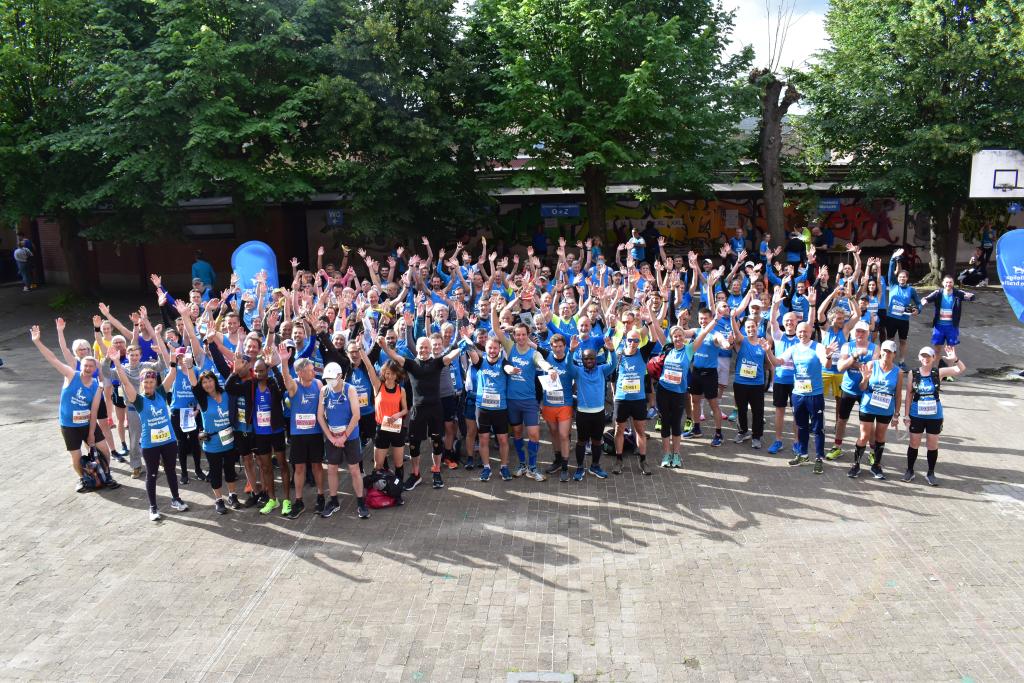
[{"x": 556, "y": 413}]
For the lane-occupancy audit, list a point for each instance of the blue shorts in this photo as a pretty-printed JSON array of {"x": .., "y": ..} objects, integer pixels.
[
  {"x": 945, "y": 334},
  {"x": 470, "y": 411},
  {"x": 523, "y": 411}
]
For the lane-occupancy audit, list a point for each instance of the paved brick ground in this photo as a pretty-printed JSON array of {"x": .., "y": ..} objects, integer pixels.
[{"x": 735, "y": 568}]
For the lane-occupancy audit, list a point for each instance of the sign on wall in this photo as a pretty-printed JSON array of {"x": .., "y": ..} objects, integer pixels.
[{"x": 559, "y": 210}]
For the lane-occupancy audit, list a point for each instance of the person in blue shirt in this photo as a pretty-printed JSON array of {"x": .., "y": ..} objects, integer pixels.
[
  {"x": 948, "y": 303},
  {"x": 556, "y": 406},
  {"x": 754, "y": 359},
  {"x": 881, "y": 383},
  {"x": 630, "y": 399},
  {"x": 903, "y": 302},
  {"x": 306, "y": 437},
  {"x": 591, "y": 380},
  {"x": 217, "y": 437},
  {"x": 491, "y": 404},
  {"x": 337, "y": 413},
  {"x": 922, "y": 412},
  {"x": 855, "y": 353},
  {"x": 202, "y": 270}
]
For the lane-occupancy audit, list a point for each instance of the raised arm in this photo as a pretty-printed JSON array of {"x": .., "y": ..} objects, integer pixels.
[
  {"x": 63, "y": 369},
  {"x": 69, "y": 357}
]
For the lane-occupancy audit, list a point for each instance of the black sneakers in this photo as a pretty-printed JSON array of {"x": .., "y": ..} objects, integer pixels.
[
  {"x": 364, "y": 512},
  {"x": 320, "y": 502},
  {"x": 330, "y": 508},
  {"x": 412, "y": 482},
  {"x": 297, "y": 509},
  {"x": 220, "y": 507}
]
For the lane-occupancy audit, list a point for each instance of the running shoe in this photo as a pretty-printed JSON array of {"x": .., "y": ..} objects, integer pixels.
[
  {"x": 677, "y": 460},
  {"x": 298, "y": 507},
  {"x": 652, "y": 413},
  {"x": 667, "y": 460},
  {"x": 554, "y": 467},
  {"x": 908, "y": 476},
  {"x": 643, "y": 467},
  {"x": 330, "y": 508},
  {"x": 286, "y": 507},
  {"x": 233, "y": 501},
  {"x": 834, "y": 454},
  {"x": 80, "y": 487},
  {"x": 453, "y": 463},
  {"x": 470, "y": 462},
  {"x": 436, "y": 480},
  {"x": 930, "y": 478},
  {"x": 220, "y": 507},
  {"x": 716, "y": 440},
  {"x": 597, "y": 472},
  {"x": 741, "y": 437},
  {"x": 854, "y": 471},
  {"x": 755, "y": 444},
  {"x": 732, "y": 416},
  {"x": 320, "y": 503},
  {"x": 154, "y": 515},
  {"x": 563, "y": 476},
  {"x": 775, "y": 447},
  {"x": 695, "y": 432},
  {"x": 520, "y": 471},
  {"x": 618, "y": 466},
  {"x": 362, "y": 511},
  {"x": 535, "y": 475},
  {"x": 183, "y": 479},
  {"x": 136, "y": 473},
  {"x": 269, "y": 506},
  {"x": 877, "y": 473},
  {"x": 505, "y": 474},
  {"x": 798, "y": 459},
  {"x": 178, "y": 505},
  {"x": 412, "y": 481},
  {"x": 688, "y": 425},
  {"x": 111, "y": 485},
  {"x": 120, "y": 458},
  {"x": 819, "y": 466},
  {"x": 200, "y": 475},
  {"x": 485, "y": 474},
  {"x": 252, "y": 500},
  {"x": 657, "y": 424},
  {"x": 579, "y": 474}
]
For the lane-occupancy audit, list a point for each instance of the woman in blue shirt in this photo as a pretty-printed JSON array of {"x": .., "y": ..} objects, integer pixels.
[
  {"x": 923, "y": 409},
  {"x": 748, "y": 378},
  {"x": 881, "y": 383},
  {"x": 217, "y": 437}
]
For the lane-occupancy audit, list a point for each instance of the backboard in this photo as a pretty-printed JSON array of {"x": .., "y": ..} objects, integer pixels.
[{"x": 997, "y": 174}]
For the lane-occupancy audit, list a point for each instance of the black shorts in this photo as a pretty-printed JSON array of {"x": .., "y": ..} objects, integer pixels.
[
  {"x": 350, "y": 454},
  {"x": 782, "y": 395},
  {"x": 244, "y": 443},
  {"x": 450, "y": 408},
  {"x": 703, "y": 382},
  {"x": 920, "y": 425},
  {"x": 846, "y": 404},
  {"x": 426, "y": 420},
  {"x": 896, "y": 326},
  {"x": 101, "y": 412},
  {"x": 589, "y": 426},
  {"x": 385, "y": 439},
  {"x": 492, "y": 419},
  {"x": 74, "y": 437},
  {"x": 307, "y": 449},
  {"x": 635, "y": 408},
  {"x": 264, "y": 444},
  {"x": 117, "y": 398},
  {"x": 880, "y": 419}
]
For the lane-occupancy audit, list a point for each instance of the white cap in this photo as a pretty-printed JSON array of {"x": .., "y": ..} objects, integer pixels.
[
  {"x": 889, "y": 345},
  {"x": 861, "y": 325},
  {"x": 927, "y": 350},
  {"x": 332, "y": 371},
  {"x": 756, "y": 303}
]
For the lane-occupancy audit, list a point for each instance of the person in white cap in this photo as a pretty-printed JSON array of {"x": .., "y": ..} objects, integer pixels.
[
  {"x": 923, "y": 409},
  {"x": 853, "y": 356},
  {"x": 882, "y": 383},
  {"x": 338, "y": 415}
]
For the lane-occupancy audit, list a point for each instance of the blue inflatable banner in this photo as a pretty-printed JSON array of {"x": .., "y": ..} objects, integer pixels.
[
  {"x": 1010, "y": 266},
  {"x": 249, "y": 259}
]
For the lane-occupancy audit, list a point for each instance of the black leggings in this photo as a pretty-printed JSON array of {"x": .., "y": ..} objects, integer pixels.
[
  {"x": 222, "y": 467},
  {"x": 672, "y": 406},
  {"x": 752, "y": 396},
  {"x": 589, "y": 427},
  {"x": 188, "y": 442},
  {"x": 166, "y": 454}
]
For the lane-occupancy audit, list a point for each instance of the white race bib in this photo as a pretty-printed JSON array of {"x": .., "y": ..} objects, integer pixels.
[
  {"x": 160, "y": 435},
  {"x": 80, "y": 416},
  {"x": 630, "y": 385},
  {"x": 391, "y": 424},
  {"x": 802, "y": 386},
  {"x": 748, "y": 370},
  {"x": 305, "y": 420},
  {"x": 673, "y": 376},
  {"x": 927, "y": 406},
  {"x": 946, "y": 315},
  {"x": 227, "y": 436},
  {"x": 880, "y": 400},
  {"x": 262, "y": 418},
  {"x": 490, "y": 400},
  {"x": 898, "y": 309},
  {"x": 187, "y": 420}
]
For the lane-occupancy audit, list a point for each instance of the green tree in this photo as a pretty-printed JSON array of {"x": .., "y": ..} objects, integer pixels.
[
  {"x": 596, "y": 90},
  {"x": 910, "y": 89},
  {"x": 395, "y": 97}
]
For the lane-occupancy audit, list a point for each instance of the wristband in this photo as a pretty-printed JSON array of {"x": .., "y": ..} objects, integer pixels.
[
  {"x": 96, "y": 329},
  {"x": 174, "y": 365}
]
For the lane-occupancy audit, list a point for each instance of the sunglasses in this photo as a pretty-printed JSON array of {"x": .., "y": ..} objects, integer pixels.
[{"x": 632, "y": 341}]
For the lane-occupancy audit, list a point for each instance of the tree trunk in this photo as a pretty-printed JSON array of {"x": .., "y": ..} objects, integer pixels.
[
  {"x": 770, "y": 148},
  {"x": 73, "y": 248},
  {"x": 594, "y": 182},
  {"x": 936, "y": 247},
  {"x": 952, "y": 242}
]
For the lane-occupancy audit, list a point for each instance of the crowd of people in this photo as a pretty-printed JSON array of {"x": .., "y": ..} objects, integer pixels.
[{"x": 353, "y": 367}]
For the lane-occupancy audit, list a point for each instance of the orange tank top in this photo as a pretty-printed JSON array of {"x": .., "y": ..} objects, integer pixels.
[{"x": 388, "y": 402}]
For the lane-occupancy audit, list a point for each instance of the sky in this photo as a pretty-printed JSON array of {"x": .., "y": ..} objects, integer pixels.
[{"x": 806, "y": 35}]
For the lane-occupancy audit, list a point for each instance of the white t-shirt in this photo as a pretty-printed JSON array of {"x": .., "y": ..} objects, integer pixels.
[{"x": 22, "y": 255}]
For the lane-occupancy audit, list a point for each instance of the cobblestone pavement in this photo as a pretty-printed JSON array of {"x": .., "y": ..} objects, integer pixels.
[{"x": 735, "y": 568}]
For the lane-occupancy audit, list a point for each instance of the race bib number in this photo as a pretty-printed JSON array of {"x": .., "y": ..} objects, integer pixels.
[
  {"x": 391, "y": 424},
  {"x": 630, "y": 385},
  {"x": 227, "y": 436},
  {"x": 187, "y": 420},
  {"x": 490, "y": 400},
  {"x": 748, "y": 370},
  {"x": 799, "y": 315},
  {"x": 305, "y": 420},
  {"x": 80, "y": 416},
  {"x": 802, "y": 386},
  {"x": 262, "y": 418},
  {"x": 946, "y": 315},
  {"x": 555, "y": 396},
  {"x": 338, "y": 430},
  {"x": 898, "y": 309},
  {"x": 927, "y": 406},
  {"x": 364, "y": 400},
  {"x": 241, "y": 415},
  {"x": 880, "y": 400},
  {"x": 160, "y": 435},
  {"x": 673, "y": 376}
]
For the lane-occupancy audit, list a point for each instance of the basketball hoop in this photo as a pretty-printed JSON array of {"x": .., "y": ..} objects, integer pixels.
[
  {"x": 997, "y": 174},
  {"x": 1005, "y": 187}
]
